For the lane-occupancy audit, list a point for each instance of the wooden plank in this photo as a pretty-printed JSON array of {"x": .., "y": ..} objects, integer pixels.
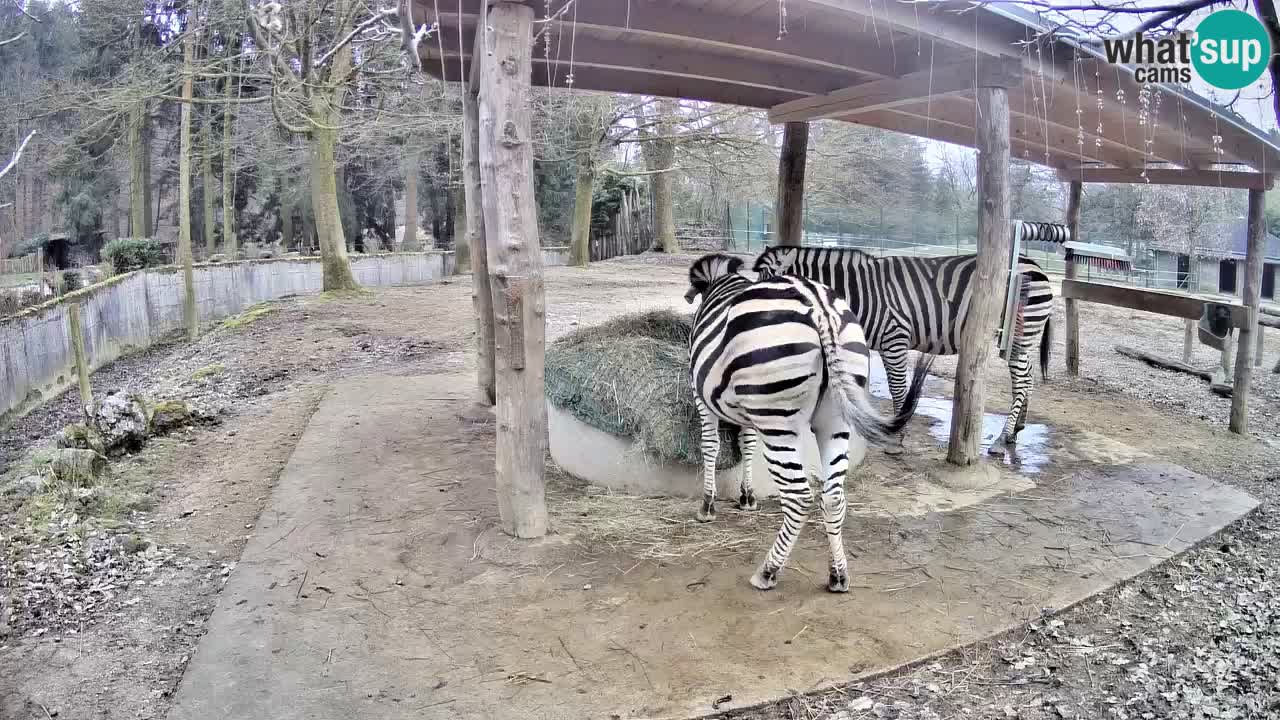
[
  {"x": 1074, "y": 193},
  {"x": 1172, "y": 176},
  {"x": 988, "y": 280},
  {"x": 905, "y": 90},
  {"x": 481, "y": 293},
  {"x": 789, "y": 215},
  {"x": 515, "y": 269},
  {"x": 1251, "y": 295},
  {"x": 1152, "y": 301}
]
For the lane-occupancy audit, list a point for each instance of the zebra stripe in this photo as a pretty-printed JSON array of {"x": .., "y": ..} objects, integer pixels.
[
  {"x": 921, "y": 303},
  {"x": 779, "y": 358}
]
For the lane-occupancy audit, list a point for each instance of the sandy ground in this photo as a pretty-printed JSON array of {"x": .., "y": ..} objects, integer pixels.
[{"x": 1195, "y": 634}]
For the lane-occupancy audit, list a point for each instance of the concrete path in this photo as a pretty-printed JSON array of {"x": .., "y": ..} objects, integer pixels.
[{"x": 378, "y": 586}]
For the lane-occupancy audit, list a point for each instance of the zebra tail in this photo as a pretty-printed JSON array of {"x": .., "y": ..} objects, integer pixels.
[
  {"x": 877, "y": 429},
  {"x": 1046, "y": 347}
]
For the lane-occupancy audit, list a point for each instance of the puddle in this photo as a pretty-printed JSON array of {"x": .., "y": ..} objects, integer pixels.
[{"x": 1029, "y": 456}]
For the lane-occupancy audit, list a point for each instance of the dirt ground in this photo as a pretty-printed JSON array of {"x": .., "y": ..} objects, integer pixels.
[{"x": 1195, "y": 638}]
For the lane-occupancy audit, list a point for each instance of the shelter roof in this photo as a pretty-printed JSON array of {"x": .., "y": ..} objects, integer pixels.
[{"x": 907, "y": 67}]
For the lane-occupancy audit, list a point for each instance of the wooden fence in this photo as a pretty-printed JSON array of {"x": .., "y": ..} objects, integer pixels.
[
  {"x": 33, "y": 263},
  {"x": 631, "y": 234}
]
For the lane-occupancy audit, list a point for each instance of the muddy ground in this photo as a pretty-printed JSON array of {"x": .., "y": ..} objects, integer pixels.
[{"x": 1197, "y": 638}]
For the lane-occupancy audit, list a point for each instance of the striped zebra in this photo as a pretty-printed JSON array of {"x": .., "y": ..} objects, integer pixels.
[
  {"x": 778, "y": 358},
  {"x": 919, "y": 303}
]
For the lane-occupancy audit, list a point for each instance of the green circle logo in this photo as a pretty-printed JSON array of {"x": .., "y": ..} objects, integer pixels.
[{"x": 1231, "y": 49}]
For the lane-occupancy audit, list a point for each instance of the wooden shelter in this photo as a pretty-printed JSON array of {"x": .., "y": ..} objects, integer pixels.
[{"x": 986, "y": 77}]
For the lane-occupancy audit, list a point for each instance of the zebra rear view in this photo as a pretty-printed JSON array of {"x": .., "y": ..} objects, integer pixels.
[{"x": 779, "y": 358}]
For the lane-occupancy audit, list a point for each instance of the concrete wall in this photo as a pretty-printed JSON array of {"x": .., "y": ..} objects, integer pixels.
[
  {"x": 555, "y": 256},
  {"x": 136, "y": 309}
]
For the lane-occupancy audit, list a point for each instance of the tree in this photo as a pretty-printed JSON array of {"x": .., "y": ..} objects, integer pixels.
[{"x": 660, "y": 162}]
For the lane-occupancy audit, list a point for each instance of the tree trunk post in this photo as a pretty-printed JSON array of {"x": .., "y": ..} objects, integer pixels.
[
  {"x": 515, "y": 268},
  {"x": 789, "y": 215},
  {"x": 1188, "y": 339},
  {"x": 473, "y": 201},
  {"x": 987, "y": 287},
  {"x": 1252, "y": 299},
  {"x": 82, "y": 361},
  {"x": 1257, "y": 351},
  {"x": 138, "y": 189},
  {"x": 1074, "y": 193},
  {"x": 189, "y": 317},
  {"x": 584, "y": 183}
]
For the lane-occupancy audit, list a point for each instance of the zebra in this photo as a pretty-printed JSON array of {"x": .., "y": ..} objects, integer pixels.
[
  {"x": 777, "y": 358},
  {"x": 920, "y": 303}
]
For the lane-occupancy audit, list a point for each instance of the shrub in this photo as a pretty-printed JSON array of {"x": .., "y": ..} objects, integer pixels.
[
  {"x": 127, "y": 254},
  {"x": 71, "y": 281}
]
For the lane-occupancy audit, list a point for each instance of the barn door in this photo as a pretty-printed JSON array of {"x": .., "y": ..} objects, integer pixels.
[
  {"x": 1227, "y": 277},
  {"x": 1269, "y": 281},
  {"x": 1184, "y": 270}
]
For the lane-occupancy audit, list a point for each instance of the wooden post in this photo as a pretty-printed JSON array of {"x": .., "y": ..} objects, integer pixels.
[
  {"x": 1252, "y": 299},
  {"x": 987, "y": 287},
  {"x": 481, "y": 295},
  {"x": 82, "y": 361},
  {"x": 1257, "y": 351},
  {"x": 515, "y": 268},
  {"x": 189, "y": 316},
  {"x": 1188, "y": 339},
  {"x": 1074, "y": 193},
  {"x": 789, "y": 212}
]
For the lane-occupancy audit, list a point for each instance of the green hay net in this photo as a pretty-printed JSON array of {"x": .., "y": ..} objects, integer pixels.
[{"x": 630, "y": 377}]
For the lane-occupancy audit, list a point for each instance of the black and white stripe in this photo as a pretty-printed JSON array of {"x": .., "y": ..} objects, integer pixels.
[
  {"x": 920, "y": 303},
  {"x": 780, "y": 358}
]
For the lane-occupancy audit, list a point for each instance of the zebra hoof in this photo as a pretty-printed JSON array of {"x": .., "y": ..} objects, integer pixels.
[
  {"x": 748, "y": 502},
  {"x": 894, "y": 450},
  {"x": 997, "y": 446},
  {"x": 764, "y": 579},
  {"x": 707, "y": 512},
  {"x": 838, "y": 581}
]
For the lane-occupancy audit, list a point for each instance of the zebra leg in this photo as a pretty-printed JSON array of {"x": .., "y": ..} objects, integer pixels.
[
  {"x": 1020, "y": 374},
  {"x": 894, "y": 357},
  {"x": 710, "y": 447},
  {"x": 832, "y": 434},
  {"x": 786, "y": 466},
  {"x": 747, "y": 496}
]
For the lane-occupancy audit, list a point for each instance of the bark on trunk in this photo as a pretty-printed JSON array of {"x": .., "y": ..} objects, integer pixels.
[
  {"x": 1074, "y": 196},
  {"x": 1252, "y": 297},
  {"x": 184, "y": 192},
  {"x": 206, "y": 184},
  {"x": 789, "y": 217},
  {"x": 412, "y": 166},
  {"x": 660, "y": 155},
  {"x": 324, "y": 179},
  {"x": 229, "y": 241},
  {"x": 139, "y": 212},
  {"x": 580, "y": 242}
]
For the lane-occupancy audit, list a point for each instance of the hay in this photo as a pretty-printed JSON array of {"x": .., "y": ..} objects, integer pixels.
[{"x": 630, "y": 377}]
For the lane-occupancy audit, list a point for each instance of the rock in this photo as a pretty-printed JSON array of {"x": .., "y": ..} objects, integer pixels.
[
  {"x": 122, "y": 421},
  {"x": 82, "y": 437},
  {"x": 861, "y": 704},
  {"x": 168, "y": 415},
  {"x": 217, "y": 257},
  {"x": 77, "y": 467},
  {"x": 25, "y": 487}
]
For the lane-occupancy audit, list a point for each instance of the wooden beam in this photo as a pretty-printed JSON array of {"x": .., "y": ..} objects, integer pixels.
[
  {"x": 1251, "y": 295},
  {"x": 1152, "y": 301},
  {"x": 515, "y": 270},
  {"x": 789, "y": 214},
  {"x": 987, "y": 287},
  {"x": 1074, "y": 193},
  {"x": 698, "y": 29},
  {"x": 905, "y": 90},
  {"x": 481, "y": 292},
  {"x": 1234, "y": 179}
]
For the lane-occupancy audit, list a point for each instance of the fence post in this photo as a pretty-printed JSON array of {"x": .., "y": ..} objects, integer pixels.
[{"x": 82, "y": 362}]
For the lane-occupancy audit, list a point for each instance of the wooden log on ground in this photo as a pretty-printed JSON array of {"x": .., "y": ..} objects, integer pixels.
[
  {"x": 1268, "y": 321},
  {"x": 989, "y": 278},
  {"x": 515, "y": 269},
  {"x": 1164, "y": 363},
  {"x": 790, "y": 212},
  {"x": 1252, "y": 296},
  {"x": 1074, "y": 194}
]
